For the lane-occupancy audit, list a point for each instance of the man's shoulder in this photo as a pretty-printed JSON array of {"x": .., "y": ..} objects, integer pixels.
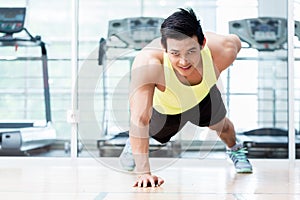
[
  {"x": 151, "y": 55},
  {"x": 223, "y": 48}
]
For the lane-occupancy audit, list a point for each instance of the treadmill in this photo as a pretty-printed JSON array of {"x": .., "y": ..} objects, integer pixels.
[
  {"x": 266, "y": 34},
  {"x": 20, "y": 137}
]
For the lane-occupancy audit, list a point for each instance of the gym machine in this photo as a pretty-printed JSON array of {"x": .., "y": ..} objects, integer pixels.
[
  {"x": 125, "y": 35},
  {"x": 19, "y": 137},
  {"x": 266, "y": 34}
]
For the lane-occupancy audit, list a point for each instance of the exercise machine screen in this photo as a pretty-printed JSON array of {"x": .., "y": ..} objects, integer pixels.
[
  {"x": 263, "y": 34},
  {"x": 12, "y": 20},
  {"x": 135, "y": 32}
]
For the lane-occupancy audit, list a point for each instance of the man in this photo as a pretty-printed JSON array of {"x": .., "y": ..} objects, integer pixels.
[{"x": 173, "y": 82}]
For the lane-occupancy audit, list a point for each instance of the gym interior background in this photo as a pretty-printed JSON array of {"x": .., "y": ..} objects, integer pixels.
[{"x": 89, "y": 56}]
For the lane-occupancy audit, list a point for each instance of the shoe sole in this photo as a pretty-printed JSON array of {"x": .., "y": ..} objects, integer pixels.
[
  {"x": 244, "y": 171},
  {"x": 128, "y": 169}
]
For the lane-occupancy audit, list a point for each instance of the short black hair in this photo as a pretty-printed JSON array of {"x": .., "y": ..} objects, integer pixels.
[{"x": 180, "y": 25}]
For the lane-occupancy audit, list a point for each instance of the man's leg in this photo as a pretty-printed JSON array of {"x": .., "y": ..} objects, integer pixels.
[
  {"x": 225, "y": 131},
  {"x": 236, "y": 152}
]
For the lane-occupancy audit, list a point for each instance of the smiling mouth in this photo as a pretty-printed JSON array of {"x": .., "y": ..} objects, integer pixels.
[{"x": 186, "y": 68}]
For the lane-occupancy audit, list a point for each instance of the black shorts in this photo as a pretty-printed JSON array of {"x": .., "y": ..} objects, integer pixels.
[{"x": 208, "y": 112}]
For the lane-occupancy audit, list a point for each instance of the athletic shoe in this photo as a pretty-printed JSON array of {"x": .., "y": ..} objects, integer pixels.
[
  {"x": 240, "y": 161},
  {"x": 126, "y": 158}
]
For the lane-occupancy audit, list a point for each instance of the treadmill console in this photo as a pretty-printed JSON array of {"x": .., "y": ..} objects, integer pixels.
[
  {"x": 135, "y": 32},
  {"x": 12, "y": 20},
  {"x": 263, "y": 34}
]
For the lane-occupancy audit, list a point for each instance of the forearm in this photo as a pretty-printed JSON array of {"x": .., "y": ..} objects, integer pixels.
[{"x": 139, "y": 140}]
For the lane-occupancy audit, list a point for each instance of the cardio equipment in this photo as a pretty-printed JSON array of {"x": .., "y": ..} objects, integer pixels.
[
  {"x": 266, "y": 34},
  {"x": 19, "y": 137},
  {"x": 124, "y": 35}
]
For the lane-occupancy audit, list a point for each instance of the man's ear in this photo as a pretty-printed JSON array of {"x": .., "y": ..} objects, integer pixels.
[{"x": 204, "y": 42}]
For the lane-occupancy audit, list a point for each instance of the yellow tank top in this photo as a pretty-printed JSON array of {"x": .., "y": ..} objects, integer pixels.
[{"x": 177, "y": 97}]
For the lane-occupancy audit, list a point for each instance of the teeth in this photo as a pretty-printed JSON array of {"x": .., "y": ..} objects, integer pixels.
[{"x": 185, "y": 67}]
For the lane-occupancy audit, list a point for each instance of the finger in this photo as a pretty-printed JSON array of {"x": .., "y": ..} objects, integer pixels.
[
  {"x": 140, "y": 183},
  {"x": 152, "y": 182},
  {"x": 160, "y": 181},
  {"x": 135, "y": 184},
  {"x": 145, "y": 182}
]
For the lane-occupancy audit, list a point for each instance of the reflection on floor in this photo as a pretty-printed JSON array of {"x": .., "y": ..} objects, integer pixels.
[{"x": 102, "y": 179}]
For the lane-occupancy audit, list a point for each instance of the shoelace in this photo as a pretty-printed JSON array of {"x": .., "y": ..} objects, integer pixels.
[{"x": 239, "y": 155}]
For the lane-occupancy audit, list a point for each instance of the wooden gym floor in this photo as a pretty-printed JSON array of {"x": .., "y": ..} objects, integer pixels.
[{"x": 101, "y": 178}]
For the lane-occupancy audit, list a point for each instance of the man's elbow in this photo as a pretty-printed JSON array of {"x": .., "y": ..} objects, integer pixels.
[
  {"x": 140, "y": 119},
  {"x": 236, "y": 44},
  {"x": 139, "y": 125}
]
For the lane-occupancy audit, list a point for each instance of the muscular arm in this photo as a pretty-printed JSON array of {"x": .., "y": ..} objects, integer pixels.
[
  {"x": 140, "y": 113},
  {"x": 224, "y": 49},
  {"x": 145, "y": 75}
]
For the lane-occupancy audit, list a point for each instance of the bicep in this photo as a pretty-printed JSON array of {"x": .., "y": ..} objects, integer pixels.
[
  {"x": 141, "y": 101},
  {"x": 145, "y": 74},
  {"x": 141, "y": 90},
  {"x": 142, "y": 97}
]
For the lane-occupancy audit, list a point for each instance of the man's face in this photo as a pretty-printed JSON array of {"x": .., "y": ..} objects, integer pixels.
[{"x": 184, "y": 54}]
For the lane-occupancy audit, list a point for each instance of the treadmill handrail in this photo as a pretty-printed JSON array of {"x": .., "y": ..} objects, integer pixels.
[{"x": 8, "y": 40}]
